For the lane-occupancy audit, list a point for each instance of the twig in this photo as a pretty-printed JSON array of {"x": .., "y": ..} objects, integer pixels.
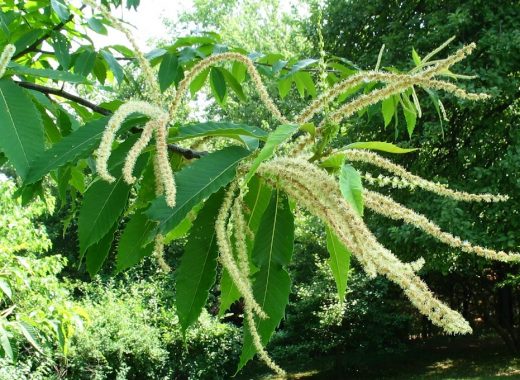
[
  {"x": 65, "y": 95},
  {"x": 185, "y": 152}
]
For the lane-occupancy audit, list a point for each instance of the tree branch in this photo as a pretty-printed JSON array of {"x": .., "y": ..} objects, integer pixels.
[
  {"x": 65, "y": 95},
  {"x": 185, "y": 152},
  {"x": 189, "y": 154}
]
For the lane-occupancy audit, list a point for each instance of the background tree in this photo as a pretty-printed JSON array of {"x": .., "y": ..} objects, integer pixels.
[{"x": 357, "y": 30}]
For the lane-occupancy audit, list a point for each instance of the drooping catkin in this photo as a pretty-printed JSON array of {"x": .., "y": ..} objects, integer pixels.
[
  {"x": 114, "y": 124},
  {"x": 163, "y": 163},
  {"x": 223, "y": 57},
  {"x": 242, "y": 283},
  {"x": 371, "y": 158},
  {"x": 136, "y": 150},
  {"x": 5, "y": 58},
  {"x": 385, "y": 206},
  {"x": 158, "y": 252}
]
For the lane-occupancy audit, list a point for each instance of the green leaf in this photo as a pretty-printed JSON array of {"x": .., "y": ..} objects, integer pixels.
[
  {"x": 100, "y": 69},
  {"x": 299, "y": 85},
  {"x": 229, "y": 293},
  {"x": 284, "y": 86},
  {"x": 278, "y": 66},
  {"x": 275, "y": 138},
  {"x": 63, "y": 178},
  {"x": 47, "y": 73},
  {"x": 85, "y": 62},
  {"x": 218, "y": 85},
  {"x": 388, "y": 109},
  {"x": 300, "y": 65},
  {"x": 411, "y": 120},
  {"x": 239, "y": 71},
  {"x": 437, "y": 104},
  {"x": 30, "y": 333},
  {"x": 339, "y": 263},
  {"x": 415, "y": 57},
  {"x": 271, "y": 284},
  {"x": 195, "y": 183},
  {"x": 102, "y": 205},
  {"x": 61, "y": 47},
  {"x": 380, "y": 145},
  {"x": 132, "y": 245},
  {"x": 77, "y": 179},
  {"x": 5, "y": 288},
  {"x": 309, "y": 128},
  {"x": 181, "y": 230},
  {"x": 132, "y": 4},
  {"x": 78, "y": 144},
  {"x": 233, "y": 83},
  {"x": 97, "y": 26},
  {"x": 197, "y": 83},
  {"x": 21, "y": 128},
  {"x": 211, "y": 128},
  {"x": 98, "y": 253},
  {"x": 257, "y": 199},
  {"x": 168, "y": 71},
  {"x": 27, "y": 39},
  {"x": 104, "y": 202},
  {"x": 351, "y": 187},
  {"x": 61, "y": 9},
  {"x": 115, "y": 67},
  {"x": 307, "y": 81},
  {"x": 198, "y": 268},
  {"x": 6, "y": 345}
]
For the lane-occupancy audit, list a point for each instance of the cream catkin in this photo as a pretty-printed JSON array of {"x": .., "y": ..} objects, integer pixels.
[
  {"x": 239, "y": 231},
  {"x": 437, "y": 188},
  {"x": 163, "y": 163},
  {"x": 5, "y": 58},
  {"x": 428, "y": 56},
  {"x": 424, "y": 77},
  {"x": 136, "y": 150},
  {"x": 226, "y": 254},
  {"x": 375, "y": 96},
  {"x": 158, "y": 252},
  {"x": 381, "y": 181},
  {"x": 257, "y": 342},
  {"x": 396, "y": 83},
  {"x": 240, "y": 236},
  {"x": 212, "y": 60},
  {"x": 105, "y": 146},
  {"x": 385, "y": 206},
  {"x": 158, "y": 124},
  {"x": 379, "y": 57}
]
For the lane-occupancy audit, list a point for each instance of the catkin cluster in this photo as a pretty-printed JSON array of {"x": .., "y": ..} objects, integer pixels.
[
  {"x": 317, "y": 191},
  {"x": 305, "y": 182},
  {"x": 231, "y": 223}
]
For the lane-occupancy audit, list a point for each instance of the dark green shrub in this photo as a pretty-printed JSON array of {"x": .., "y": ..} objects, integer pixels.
[{"x": 374, "y": 317}]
